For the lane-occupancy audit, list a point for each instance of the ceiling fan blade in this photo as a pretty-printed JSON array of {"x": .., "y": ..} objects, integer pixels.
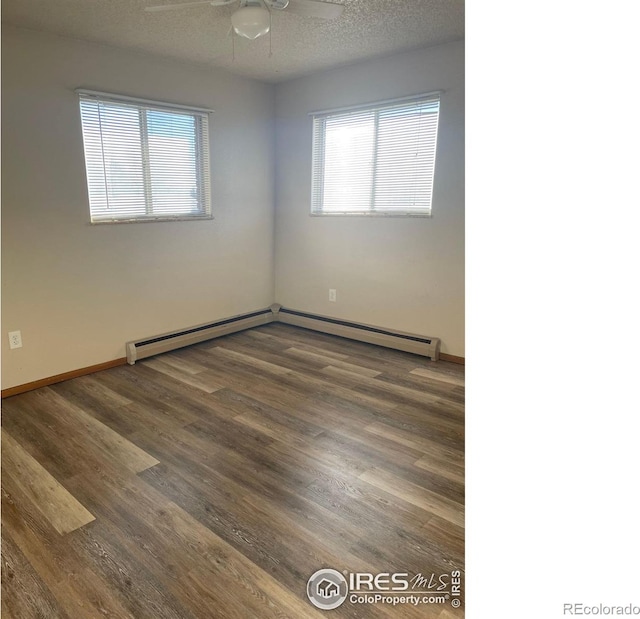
[
  {"x": 315, "y": 8},
  {"x": 185, "y": 5}
]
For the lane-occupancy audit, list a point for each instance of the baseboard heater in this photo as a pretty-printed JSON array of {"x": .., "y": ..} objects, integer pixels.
[
  {"x": 155, "y": 345},
  {"x": 408, "y": 342}
]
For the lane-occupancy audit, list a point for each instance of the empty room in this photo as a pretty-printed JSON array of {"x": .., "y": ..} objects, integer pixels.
[{"x": 233, "y": 309}]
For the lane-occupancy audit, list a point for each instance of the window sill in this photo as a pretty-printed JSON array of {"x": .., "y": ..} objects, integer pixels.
[
  {"x": 372, "y": 214},
  {"x": 147, "y": 220}
]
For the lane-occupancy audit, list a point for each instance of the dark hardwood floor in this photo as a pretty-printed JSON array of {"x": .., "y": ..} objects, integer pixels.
[{"x": 213, "y": 481}]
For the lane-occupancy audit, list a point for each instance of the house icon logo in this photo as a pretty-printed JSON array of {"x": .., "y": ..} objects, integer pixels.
[{"x": 327, "y": 589}]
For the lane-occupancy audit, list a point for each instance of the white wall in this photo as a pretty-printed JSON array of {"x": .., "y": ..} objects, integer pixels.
[
  {"x": 78, "y": 292},
  {"x": 403, "y": 273}
]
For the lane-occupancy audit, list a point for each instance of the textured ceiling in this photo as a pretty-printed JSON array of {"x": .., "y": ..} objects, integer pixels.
[{"x": 299, "y": 45}]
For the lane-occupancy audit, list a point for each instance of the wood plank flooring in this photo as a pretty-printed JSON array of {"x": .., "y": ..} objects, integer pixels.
[{"x": 212, "y": 481}]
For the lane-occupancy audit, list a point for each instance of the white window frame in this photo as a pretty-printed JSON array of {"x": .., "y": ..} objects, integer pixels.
[
  {"x": 380, "y": 178},
  {"x": 145, "y": 207}
]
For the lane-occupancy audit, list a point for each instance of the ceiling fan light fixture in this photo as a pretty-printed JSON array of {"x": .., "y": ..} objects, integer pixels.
[{"x": 251, "y": 22}]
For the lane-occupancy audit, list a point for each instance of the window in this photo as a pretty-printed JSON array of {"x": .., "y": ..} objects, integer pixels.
[
  {"x": 145, "y": 161},
  {"x": 375, "y": 160}
]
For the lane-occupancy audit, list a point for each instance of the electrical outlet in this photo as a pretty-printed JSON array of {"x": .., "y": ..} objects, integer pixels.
[
  {"x": 332, "y": 295},
  {"x": 15, "y": 339}
]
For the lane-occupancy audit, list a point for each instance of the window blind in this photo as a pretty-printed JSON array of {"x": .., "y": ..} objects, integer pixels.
[
  {"x": 378, "y": 159},
  {"x": 145, "y": 160}
]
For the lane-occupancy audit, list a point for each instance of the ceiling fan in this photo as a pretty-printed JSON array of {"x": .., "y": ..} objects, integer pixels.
[{"x": 253, "y": 17}]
